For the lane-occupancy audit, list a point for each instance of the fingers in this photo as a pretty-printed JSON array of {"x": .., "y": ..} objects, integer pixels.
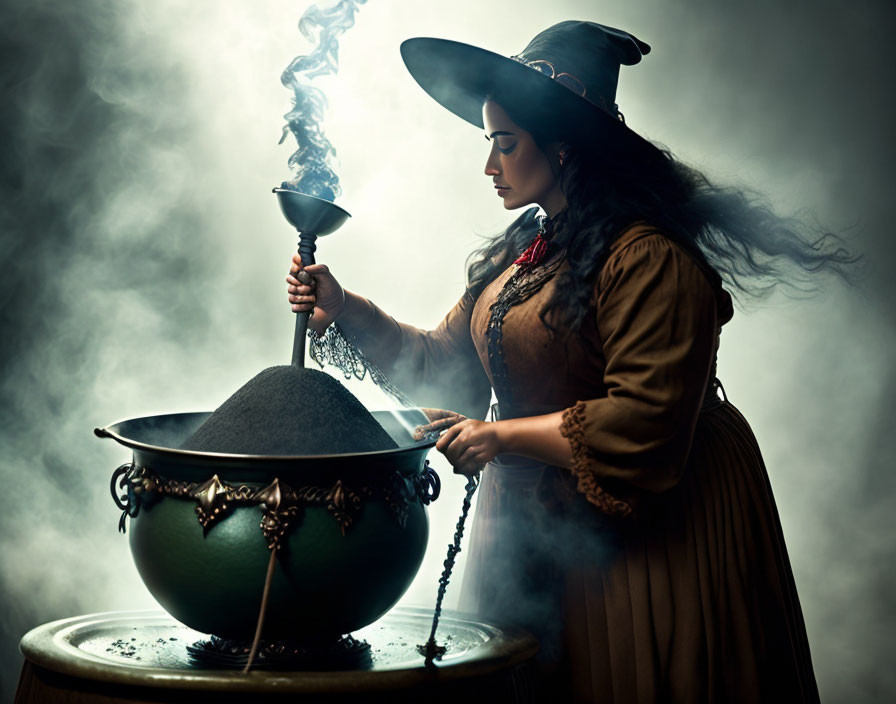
[
  {"x": 469, "y": 464},
  {"x": 464, "y": 457},
  {"x": 434, "y": 414},
  {"x": 448, "y": 437},
  {"x": 439, "y": 420},
  {"x": 301, "y": 303},
  {"x": 302, "y": 284},
  {"x": 297, "y": 287},
  {"x": 313, "y": 269},
  {"x": 468, "y": 445},
  {"x": 433, "y": 428},
  {"x": 303, "y": 277},
  {"x": 442, "y": 424},
  {"x": 302, "y": 299},
  {"x": 296, "y": 264},
  {"x": 458, "y": 447}
]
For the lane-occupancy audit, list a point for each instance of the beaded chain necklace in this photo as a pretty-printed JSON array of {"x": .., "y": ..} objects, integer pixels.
[{"x": 524, "y": 282}]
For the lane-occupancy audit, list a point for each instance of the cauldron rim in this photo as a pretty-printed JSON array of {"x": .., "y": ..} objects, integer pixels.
[{"x": 108, "y": 432}]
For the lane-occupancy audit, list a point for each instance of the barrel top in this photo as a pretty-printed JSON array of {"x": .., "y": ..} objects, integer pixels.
[{"x": 149, "y": 648}]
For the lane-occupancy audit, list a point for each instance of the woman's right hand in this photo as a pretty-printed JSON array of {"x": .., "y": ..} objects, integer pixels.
[{"x": 323, "y": 295}]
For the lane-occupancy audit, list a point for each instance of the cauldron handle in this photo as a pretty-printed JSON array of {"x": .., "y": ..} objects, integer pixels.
[
  {"x": 129, "y": 501},
  {"x": 307, "y": 247}
]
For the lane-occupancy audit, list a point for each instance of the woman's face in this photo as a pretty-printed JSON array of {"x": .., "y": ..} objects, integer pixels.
[{"x": 522, "y": 173}]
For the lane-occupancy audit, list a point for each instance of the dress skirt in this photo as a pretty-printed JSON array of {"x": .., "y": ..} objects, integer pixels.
[{"x": 689, "y": 599}]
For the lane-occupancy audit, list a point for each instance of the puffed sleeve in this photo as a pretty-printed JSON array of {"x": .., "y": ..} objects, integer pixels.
[
  {"x": 656, "y": 317},
  {"x": 437, "y": 368}
]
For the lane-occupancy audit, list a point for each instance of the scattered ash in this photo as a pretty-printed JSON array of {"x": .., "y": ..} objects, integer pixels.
[{"x": 124, "y": 648}]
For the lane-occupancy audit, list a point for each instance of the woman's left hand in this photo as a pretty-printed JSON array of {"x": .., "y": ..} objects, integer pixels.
[
  {"x": 439, "y": 420},
  {"x": 470, "y": 445}
]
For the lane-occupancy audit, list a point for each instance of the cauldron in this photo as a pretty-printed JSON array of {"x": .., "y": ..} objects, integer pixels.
[{"x": 350, "y": 530}]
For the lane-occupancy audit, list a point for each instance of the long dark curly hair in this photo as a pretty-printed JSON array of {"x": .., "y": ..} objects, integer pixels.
[{"x": 610, "y": 183}]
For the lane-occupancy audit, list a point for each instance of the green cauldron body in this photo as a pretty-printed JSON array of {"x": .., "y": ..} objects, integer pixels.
[{"x": 336, "y": 570}]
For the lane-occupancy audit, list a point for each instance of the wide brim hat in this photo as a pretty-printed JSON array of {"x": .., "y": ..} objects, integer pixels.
[{"x": 566, "y": 76}]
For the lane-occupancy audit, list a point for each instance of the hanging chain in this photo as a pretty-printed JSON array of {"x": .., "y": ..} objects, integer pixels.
[{"x": 431, "y": 650}]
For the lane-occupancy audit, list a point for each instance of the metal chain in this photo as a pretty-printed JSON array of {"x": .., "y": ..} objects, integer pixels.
[{"x": 431, "y": 650}]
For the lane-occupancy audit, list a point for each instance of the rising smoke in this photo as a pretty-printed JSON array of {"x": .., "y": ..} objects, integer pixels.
[{"x": 312, "y": 160}]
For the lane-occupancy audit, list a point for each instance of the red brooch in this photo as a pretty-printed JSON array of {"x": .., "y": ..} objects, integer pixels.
[{"x": 533, "y": 254}]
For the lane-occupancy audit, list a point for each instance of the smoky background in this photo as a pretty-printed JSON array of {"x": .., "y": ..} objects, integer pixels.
[{"x": 144, "y": 256}]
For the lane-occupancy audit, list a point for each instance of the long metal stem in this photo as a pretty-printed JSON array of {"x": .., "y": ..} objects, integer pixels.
[
  {"x": 307, "y": 247},
  {"x": 264, "y": 607},
  {"x": 298, "y": 341}
]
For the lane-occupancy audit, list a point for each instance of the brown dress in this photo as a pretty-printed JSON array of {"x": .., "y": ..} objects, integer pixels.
[{"x": 654, "y": 570}]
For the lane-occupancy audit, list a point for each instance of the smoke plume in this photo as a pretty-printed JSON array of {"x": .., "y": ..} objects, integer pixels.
[{"x": 311, "y": 162}]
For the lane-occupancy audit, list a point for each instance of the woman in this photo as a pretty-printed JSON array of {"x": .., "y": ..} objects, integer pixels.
[{"x": 625, "y": 514}]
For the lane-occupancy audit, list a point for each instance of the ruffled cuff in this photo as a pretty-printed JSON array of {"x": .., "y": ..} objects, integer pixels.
[
  {"x": 334, "y": 348},
  {"x": 572, "y": 427}
]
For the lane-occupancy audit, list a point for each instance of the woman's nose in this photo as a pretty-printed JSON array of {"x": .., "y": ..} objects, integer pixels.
[{"x": 491, "y": 165}]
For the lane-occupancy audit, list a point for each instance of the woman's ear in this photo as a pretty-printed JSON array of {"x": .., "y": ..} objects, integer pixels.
[{"x": 556, "y": 153}]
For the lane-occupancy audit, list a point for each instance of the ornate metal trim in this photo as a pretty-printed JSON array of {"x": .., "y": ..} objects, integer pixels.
[{"x": 280, "y": 504}]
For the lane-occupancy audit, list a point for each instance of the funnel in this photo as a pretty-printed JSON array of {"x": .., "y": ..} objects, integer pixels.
[{"x": 313, "y": 217}]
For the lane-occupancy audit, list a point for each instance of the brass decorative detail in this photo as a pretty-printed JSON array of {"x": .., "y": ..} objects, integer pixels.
[
  {"x": 279, "y": 508},
  {"x": 280, "y": 504},
  {"x": 275, "y": 523},
  {"x": 272, "y": 495},
  {"x": 212, "y": 500},
  {"x": 399, "y": 494},
  {"x": 341, "y": 504}
]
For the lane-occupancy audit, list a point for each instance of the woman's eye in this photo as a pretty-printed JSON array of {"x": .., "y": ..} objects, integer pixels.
[{"x": 505, "y": 149}]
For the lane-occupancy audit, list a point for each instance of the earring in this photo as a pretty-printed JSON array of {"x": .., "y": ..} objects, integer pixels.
[{"x": 561, "y": 156}]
